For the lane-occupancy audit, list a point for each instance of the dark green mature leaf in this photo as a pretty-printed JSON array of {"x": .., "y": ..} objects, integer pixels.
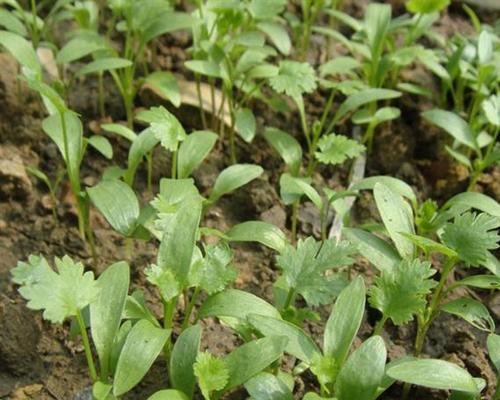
[
  {"x": 212, "y": 373},
  {"x": 104, "y": 64},
  {"x": 237, "y": 304},
  {"x": 245, "y": 124},
  {"x": 453, "y": 124},
  {"x": 183, "y": 358},
  {"x": 166, "y": 127},
  {"x": 118, "y": 203},
  {"x": 473, "y": 311},
  {"x": 214, "y": 272},
  {"x": 168, "y": 394},
  {"x": 335, "y": 149},
  {"x": 248, "y": 360},
  {"x": 54, "y": 292},
  {"x": 376, "y": 250},
  {"x": 21, "y": 50},
  {"x": 344, "y": 321},
  {"x": 294, "y": 79},
  {"x": 165, "y": 85},
  {"x": 193, "y": 150},
  {"x": 266, "y": 386},
  {"x": 401, "y": 292},
  {"x": 304, "y": 268},
  {"x": 426, "y": 6},
  {"x": 493, "y": 344},
  {"x": 299, "y": 344},
  {"x": 397, "y": 216},
  {"x": 363, "y": 371},
  {"x": 142, "y": 346},
  {"x": 234, "y": 177},
  {"x": 435, "y": 374},
  {"x": 287, "y": 146},
  {"x": 257, "y": 231},
  {"x": 471, "y": 235},
  {"x": 107, "y": 309}
]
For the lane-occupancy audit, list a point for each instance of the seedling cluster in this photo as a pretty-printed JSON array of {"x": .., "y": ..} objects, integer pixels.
[{"x": 243, "y": 55}]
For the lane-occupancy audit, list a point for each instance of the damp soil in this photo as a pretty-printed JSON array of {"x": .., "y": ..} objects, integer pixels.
[{"x": 42, "y": 361}]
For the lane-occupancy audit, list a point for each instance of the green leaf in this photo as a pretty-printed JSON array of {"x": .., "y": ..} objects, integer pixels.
[
  {"x": 136, "y": 308},
  {"x": 79, "y": 47},
  {"x": 183, "y": 358},
  {"x": 278, "y": 35},
  {"x": 107, "y": 309},
  {"x": 21, "y": 50},
  {"x": 102, "y": 145},
  {"x": 245, "y": 124},
  {"x": 401, "y": 292},
  {"x": 143, "y": 144},
  {"x": 101, "y": 391},
  {"x": 493, "y": 344},
  {"x": 305, "y": 268},
  {"x": 120, "y": 130},
  {"x": 366, "y": 96},
  {"x": 214, "y": 272},
  {"x": 166, "y": 22},
  {"x": 204, "y": 67},
  {"x": 118, "y": 203},
  {"x": 335, "y": 149},
  {"x": 376, "y": 25},
  {"x": 266, "y": 386},
  {"x": 248, "y": 360},
  {"x": 287, "y": 146},
  {"x": 453, "y": 124},
  {"x": 376, "y": 250},
  {"x": 193, "y": 150},
  {"x": 293, "y": 188},
  {"x": 426, "y": 6},
  {"x": 430, "y": 246},
  {"x": 475, "y": 200},
  {"x": 164, "y": 279},
  {"x": 232, "y": 178},
  {"x": 480, "y": 281},
  {"x": 60, "y": 294},
  {"x": 491, "y": 108},
  {"x": 484, "y": 47},
  {"x": 471, "y": 235},
  {"x": 104, "y": 64},
  {"x": 168, "y": 394},
  {"x": 237, "y": 304},
  {"x": 344, "y": 321},
  {"x": 460, "y": 157},
  {"x": 397, "y": 216},
  {"x": 212, "y": 373},
  {"x": 472, "y": 311},
  {"x": 257, "y": 231},
  {"x": 12, "y": 23},
  {"x": 363, "y": 371},
  {"x": 294, "y": 79},
  {"x": 299, "y": 344},
  {"x": 435, "y": 374},
  {"x": 166, "y": 127},
  {"x": 339, "y": 65},
  {"x": 142, "y": 346},
  {"x": 165, "y": 85}
]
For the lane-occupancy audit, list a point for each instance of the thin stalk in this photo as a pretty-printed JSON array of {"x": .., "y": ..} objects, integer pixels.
[
  {"x": 86, "y": 346},
  {"x": 200, "y": 102},
  {"x": 128, "y": 248},
  {"x": 380, "y": 325},
  {"x": 35, "y": 37},
  {"x": 149, "y": 164},
  {"x": 174, "y": 165},
  {"x": 189, "y": 309},
  {"x": 295, "y": 209},
  {"x": 168, "y": 323},
  {"x": 102, "y": 110},
  {"x": 289, "y": 298},
  {"x": 212, "y": 101}
]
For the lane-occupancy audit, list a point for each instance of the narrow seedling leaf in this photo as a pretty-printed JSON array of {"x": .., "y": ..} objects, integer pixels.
[
  {"x": 165, "y": 85},
  {"x": 193, "y": 150},
  {"x": 104, "y": 64},
  {"x": 234, "y": 177},
  {"x": 287, "y": 147},
  {"x": 472, "y": 311},
  {"x": 257, "y": 231},
  {"x": 266, "y": 386}
]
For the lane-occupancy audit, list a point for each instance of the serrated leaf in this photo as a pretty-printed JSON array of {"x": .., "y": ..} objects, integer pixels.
[
  {"x": 54, "y": 292},
  {"x": 165, "y": 280},
  {"x": 401, "y": 292},
  {"x": 335, "y": 149},
  {"x": 212, "y": 373},
  {"x": 294, "y": 79},
  {"x": 304, "y": 268}
]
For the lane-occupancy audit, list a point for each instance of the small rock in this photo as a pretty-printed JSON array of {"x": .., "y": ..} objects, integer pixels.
[
  {"x": 14, "y": 182},
  {"x": 276, "y": 215},
  {"x": 26, "y": 392}
]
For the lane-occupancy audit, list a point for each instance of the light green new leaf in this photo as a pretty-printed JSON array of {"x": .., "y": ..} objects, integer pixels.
[
  {"x": 164, "y": 279},
  {"x": 299, "y": 344},
  {"x": 102, "y": 145},
  {"x": 493, "y": 344},
  {"x": 435, "y": 374},
  {"x": 363, "y": 371},
  {"x": 142, "y": 145},
  {"x": 339, "y": 65},
  {"x": 278, "y": 35},
  {"x": 142, "y": 346},
  {"x": 257, "y": 231},
  {"x": 344, "y": 321},
  {"x": 183, "y": 358},
  {"x": 480, "y": 281},
  {"x": 473, "y": 311},
  {"x": 204, "y": 67},
  {"x": 104, "y": 64},
  {"x": 237, "y": 304},
  {"x": 107, "y": 309},
  {"x": 232, "y": 178},
  {"x": 335, "y": 149},
  {"x": 79, "y": 47},
  {"x": 120, "y": 130},
  {"x": 397, "y": 216},
  {"x": 12, "y": 23},
  {"x": 294, "y": 79},
  {"x": 248, "y": 360},
  {"x": 426, "y": 6},
  {"x": 21, "y": 50},
  {"x": 212, "y": 373},
  {"x": 168, "y": 394},
  {"x": 484, "y": 47},
  {"x": 245, "y": 124},
  {"x": 287, "y": 146},
  {"x": 165, "y": 85},
  {"x": 475, "y": 200},
  {"x": 166, "y": 22},
  {"x": 293, "y": 188},
  {"x": 60, "y": 294},
  {"x": 453, "y": 124},
  {"x": 118, "y": 203},
  {"x": 266, "y": 386},
  {"x": 193, "y": 150}
]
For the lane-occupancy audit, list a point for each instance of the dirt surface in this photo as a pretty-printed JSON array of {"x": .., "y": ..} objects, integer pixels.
[{"x": 40, "y": 361}]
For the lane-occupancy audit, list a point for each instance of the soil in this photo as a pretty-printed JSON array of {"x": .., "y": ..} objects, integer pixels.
[{"x": 41, "y": 361}]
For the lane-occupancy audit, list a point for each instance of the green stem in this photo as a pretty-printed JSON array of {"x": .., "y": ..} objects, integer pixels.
[
  {"x": 168, "y": 323},
  {"x": 35, "y": 38},
  {"x": 200, "y": 102},
  {"x": 295, "y": 208},
  {"x": 102, "y": 110},
  {"x": 149, "y": 160},
  {"x": 289, "y": 298},
  {"x": 86, "y": 345},
  {"x": 189, "y": 309},
  {"x": 380, "y": 325},
  {"x": 174, "y": 164}
]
